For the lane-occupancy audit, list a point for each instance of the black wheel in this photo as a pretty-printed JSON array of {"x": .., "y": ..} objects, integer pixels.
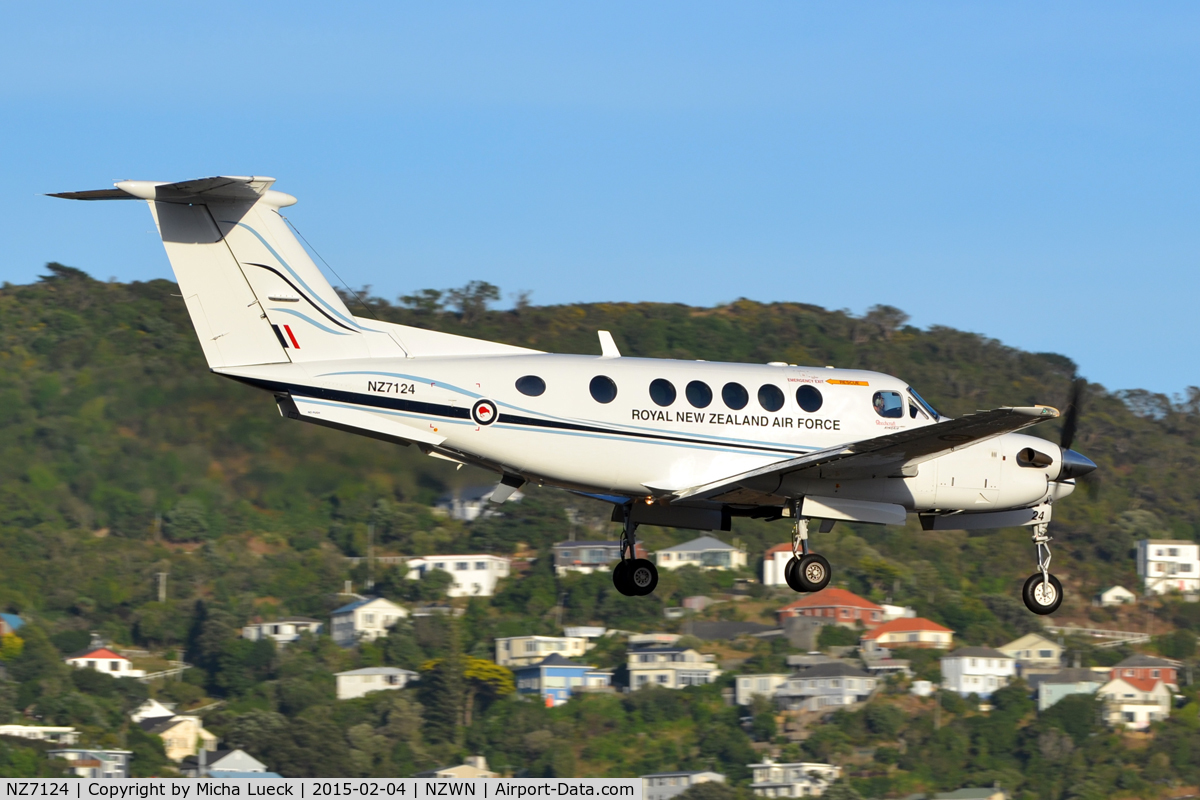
[
  {"x": 790, "y": 576},
  {"x": 1041, "y": 597},
  {"x": 643, "y": 576},
  {"x": 813, "y": 573},
  {"x": 621, "y": 578}
]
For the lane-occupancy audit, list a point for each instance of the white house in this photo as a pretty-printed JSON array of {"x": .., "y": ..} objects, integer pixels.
[
  {"x": 1034, "y": 653},
  {"x": 359, "y": 682},
  {"x": 774, "y": 560},
  {"x": 665, "y": 785},
  {"x": 521, "y": 651},
  {"x": 1169, "y": 565},
  {"x": 1115, "y": 596},
  {"x": 368, "y": 618},
  {"x": 748, "y": 686},
  {"x": 471, "y": 503},
  {"x": 104, "y": 660},
  {"x": 41, "y": 733},
  {"x": 669, "y": 667},
  {"x": 798, "y": 779},
  {"x": 474, "y": 575},
  {"x": 821, "y": 686},
  {"x": 906, "y": 632},
  {"x": 283, "y": 631},
  {"x": 1135, "y": 702},
  {"x": 705, "y": 552},
  {"x": 977, "y": 670},
  {"x": 88, "y": 763},
  {"x": 891, "y": 612}
]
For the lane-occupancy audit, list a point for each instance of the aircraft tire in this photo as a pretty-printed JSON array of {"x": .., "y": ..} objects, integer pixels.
[
  {"x": 643, "y": 576},
  {"x": 790, "y": 576},
  {"x": 1040, "y": 598},
  {"x": 621, "y": 578},
  {"x": 813, "y": 573}
]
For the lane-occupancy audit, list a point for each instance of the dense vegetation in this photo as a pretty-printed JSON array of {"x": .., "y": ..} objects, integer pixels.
[{"x": 121, "y": 457}]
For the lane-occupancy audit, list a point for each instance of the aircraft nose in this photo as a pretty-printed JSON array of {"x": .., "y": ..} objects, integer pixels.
[{"x": 1074, "y": 465}]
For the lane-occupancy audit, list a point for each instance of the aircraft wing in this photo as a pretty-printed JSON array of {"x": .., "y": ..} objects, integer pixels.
[{"x": 892, "y": 455}]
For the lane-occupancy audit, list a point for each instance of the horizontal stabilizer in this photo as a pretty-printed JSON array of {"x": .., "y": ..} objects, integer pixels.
[
  {"x": 365, "y": 423},
  {"x": 247, "y": 188}
]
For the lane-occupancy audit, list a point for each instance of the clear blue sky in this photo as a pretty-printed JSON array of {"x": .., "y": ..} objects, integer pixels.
[{"x": 1027, "y": 171}]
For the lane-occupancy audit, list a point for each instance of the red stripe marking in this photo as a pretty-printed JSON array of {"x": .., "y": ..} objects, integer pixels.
[{"x": 292, "y": 336}]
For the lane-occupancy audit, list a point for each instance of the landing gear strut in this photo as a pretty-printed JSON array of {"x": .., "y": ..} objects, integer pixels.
[
  {"x": 633, "y": 576},
  {"x": 805, "y": 571},
  {"x": 1043, "y": 594}
]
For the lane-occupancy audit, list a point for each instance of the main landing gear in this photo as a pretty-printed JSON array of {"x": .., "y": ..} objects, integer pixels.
[
  {"x": 633, "y": 577},
  {"x": 1043, "y": 594},
  {"x": 805, "y": 571}
]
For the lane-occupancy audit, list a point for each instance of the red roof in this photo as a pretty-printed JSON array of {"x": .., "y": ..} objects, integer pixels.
[
  {"x": 832, "y": 596},
  {"x": 906, "y": 625},
  {"x": 99, "y": 652},
  {"x": 786, "y": 547},
  {"x": 1142, "y": 684}
]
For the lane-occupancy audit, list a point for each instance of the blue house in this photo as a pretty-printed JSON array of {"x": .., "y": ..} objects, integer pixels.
[
  {"x": 555, "y": 678},
  {"x": 9, "y": 623}
]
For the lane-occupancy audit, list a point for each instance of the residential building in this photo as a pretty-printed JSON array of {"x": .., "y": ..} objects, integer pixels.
[
  {"x": 152, "y": 708},
  {"x": 705, "y": 552},
  {"x": 471, "y": 503},
  {"x": 585, "y": 631},
  {"x": 992, "y": 793},
  {"x": 1034, "y": 653},
  {"x": 837, "y": 606},
  {"x": 774, "y": 561},
  {"x": 748, "y": 686},
  {"x": 824, "y": 686},
  {"x": 1147, "y": 668},
  {"x": 104, "y": 660},
  {"x": 907, "y": 632},
  {"x": 726, "y": 629},
  {"x": 1168, "y": 565},
  {"x": 1115, "y": 596},
  {"x": 41, "y": 733},
  {"x": 977, "y": 670},
  {"x": 222, "y": 761},
  {"x": 10, "y": 623},
  {"x": 368, "y": 618},
  {"x": 921, "y": 688},
  {"x": 474, "y": 575},
  {"x": 891, "y": 612},
  {"x": 181, "y": 734},
  {"x": 475, "y": 767},
  {"x": 796, "y": 779},
  {"x": 1134, "y": 703},
  {"x": 652, "y": 639},
  {"x": 555, "y": 679},
  {"x": 1052, "y": 688},
  {"x": 665, "y": 785},
  {"x": 283, "y": 631},
  {"x": 88, "y": 763},
  {"x": 669, "y": 667},
  {"x": 589, "y": 556},
  {"x": 520, "y": 651},
  {"x": 359, "y": 682}
]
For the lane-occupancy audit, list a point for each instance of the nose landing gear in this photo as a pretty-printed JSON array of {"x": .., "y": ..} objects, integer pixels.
[
  {"x": 1043, "y": 594},
  {"x": 805, "y": 571},
  {"x": 633, "y": 577}
]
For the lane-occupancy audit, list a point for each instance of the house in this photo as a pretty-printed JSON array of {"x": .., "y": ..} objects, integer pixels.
[
  {"x": 152, "y": 708},
  {"x": 837, "y": 606},
  {"x": 977, "y": 670},
  {"x": 555, "y": 678},
  {"x": 705, "y": 552},
  {"x": 368, "y": 618},
  {"x": 358, "y": 682},
  {"x": 1034, "y": 653},
  {"x": 797, "y": 779},
  {"x": 1114, "y": 596},
  {"x": 907, "y": 632},
  {"x": 1147, "y": 668},
  {"x": 41, "y": 733},
  {"x": 1134, "y": 703},
  {"x": 104, "y": 660},
  {"x": 521, "y": 651},
  {"x": 588, "y": 556},
  {"x": 993, "y": 793},
  {"x": 475, "y": 767},
  {"x": 89, "y": 763},
  {"x": 1052, "y": 688},
  {"x": 471, "y": 503},
  {"x": 283, "y": 631},
  {"x": 665, "y": 785},
  {"x": 670, "y": 667},
  {"x": 181, "y": 734},
  {"x": 474, "y": 575},
  {"x": 774, "y": 561},
  {"x": 1168, "y": 565},
  {"x": 222, "y": 761},
  {"x": 891, "y": 612},
  {"x": 825, "y": 686},
  {"x": 10, "y": 623},
  {"x": 748, "y": 686}
]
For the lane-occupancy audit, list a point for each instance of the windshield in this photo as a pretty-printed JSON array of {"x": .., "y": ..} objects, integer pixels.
[{"x": 932, "y": 411}]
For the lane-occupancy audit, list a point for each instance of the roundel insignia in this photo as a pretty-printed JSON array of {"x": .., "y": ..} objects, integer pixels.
[{"x": 484, "y": 412}]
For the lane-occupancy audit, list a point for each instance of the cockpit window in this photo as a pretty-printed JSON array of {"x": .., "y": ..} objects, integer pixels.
[
  {"x": 888, "y": 404},
  {"x": 928, "y": 408}
]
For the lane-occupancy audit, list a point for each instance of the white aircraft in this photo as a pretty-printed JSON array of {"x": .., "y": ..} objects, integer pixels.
[{"x": 687, "y": 444}]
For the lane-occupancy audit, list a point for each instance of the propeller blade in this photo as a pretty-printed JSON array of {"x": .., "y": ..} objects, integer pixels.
[{"x": 1071, "y": 417}]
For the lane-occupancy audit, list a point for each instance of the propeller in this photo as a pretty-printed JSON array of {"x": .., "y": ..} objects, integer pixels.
[{"x": 1071, "y": 419}]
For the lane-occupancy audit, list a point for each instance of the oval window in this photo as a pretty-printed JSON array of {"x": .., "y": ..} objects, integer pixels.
[
  {"x": 698, "y": 394},
  {"x": 603, "y": 389},
  {"x": 735, "y": 396},
  {"x": 809, "y": 398},
  {"x": 770, "y": 397},
  {"x": 662, "y": 391},
  {"x": 531, "y": 385},
  {"x": 888, "y": 404}
]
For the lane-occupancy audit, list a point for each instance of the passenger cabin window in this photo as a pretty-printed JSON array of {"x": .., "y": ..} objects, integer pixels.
[
  {"x": 531, "y": 385},
  {"x": 603, "y": 389},
  {"x": 888, "y": 404},
  {"x": 662, "y": 392},
  {"x": 698, "y": 394},
  {"x": 809, "y": 398},
  {"x": 735, "y": 396},
  {"x": 770, "y": 397}
]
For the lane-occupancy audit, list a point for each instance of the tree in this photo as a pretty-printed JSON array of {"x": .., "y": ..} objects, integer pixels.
[
  {"x": 709, "y": 790},
  {"x": 485, "y": 680},
  {"x": 187, "y": 521},
  {"x": 841, "y": 790},
  {"x": 472, "y": 300},
  {"x": 424, "y": 302},
  {"x": 442, "y": 691}
]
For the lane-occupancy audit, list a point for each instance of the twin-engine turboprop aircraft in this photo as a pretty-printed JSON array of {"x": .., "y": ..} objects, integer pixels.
[{"x": 687, "y": 444}]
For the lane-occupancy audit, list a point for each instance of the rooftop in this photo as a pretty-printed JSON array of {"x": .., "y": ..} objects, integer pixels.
[
  {"x": 377, "y": 671},
  {"x": 906, "y": 624},
  {"x": 589, "y": 543},
  {"x": 13, "y": 620},
  {"x": 1141, "y": 684},
  {"x": 698, "y": 544},
  {"x": 346, "y": 609},
  {"x": 833, "y": 596},
  {"x": 1066, "y": 676},
  {"x": 97, "y": 652},
  {"x": 555, "y": 660},
  {"x": 835, "y": 669},
  {"x": 1145, "y": 661},
  {"x": 977, "y": 652}
]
